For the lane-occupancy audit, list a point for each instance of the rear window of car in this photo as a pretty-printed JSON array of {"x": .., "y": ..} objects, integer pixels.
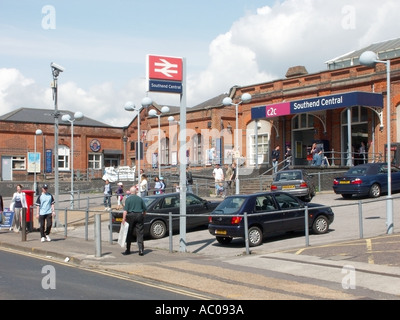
[
  {"x": 283, "y": 176},
  {"x": 230, "y": 205}
]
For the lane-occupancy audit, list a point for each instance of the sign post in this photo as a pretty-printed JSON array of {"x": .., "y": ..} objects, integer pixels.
[{"x": 168, "y": 74}]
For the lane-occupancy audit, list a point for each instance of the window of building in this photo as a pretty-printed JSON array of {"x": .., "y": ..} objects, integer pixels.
[
  {"x": 19, "y": 163},
  {"x": 197, "y": 147},
  {"x": 95, "y": 161},
  {"x": 303, "y": 121},
  {"x": 63, "y": 158},
  {"x": 262, "y": 146}
]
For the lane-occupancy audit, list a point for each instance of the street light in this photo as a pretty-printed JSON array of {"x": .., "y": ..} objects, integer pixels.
[
  {"x": 130, "y": 106},
  {"x": 153, "y": 113},
  {"x": 370, "y": 59},
  {"x": 246, "y": 97},
  {"x": 67, "y": 118},
  {"x": 56, "y": 69},
  {"x": 37, "y": 133}
]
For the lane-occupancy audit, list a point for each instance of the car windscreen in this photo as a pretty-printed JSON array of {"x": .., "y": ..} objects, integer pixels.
[
  {"x": 284, "y": 176},
  {"x": 230, "y": 205},
  {"x": 149, "y": 200}
]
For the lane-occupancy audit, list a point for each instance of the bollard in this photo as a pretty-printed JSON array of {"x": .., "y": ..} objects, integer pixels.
[
  {"x": 23, "y": 223},
  {"x": 170, "y": 231},
  {"x": 97, "y": 234},
  {"x": 360, "y": 223},
  {"x": 307, "y": 231},
  {"x": 246, "y": 233}
]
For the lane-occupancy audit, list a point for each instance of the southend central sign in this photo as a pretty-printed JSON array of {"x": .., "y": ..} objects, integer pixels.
[{"x": 343, "y": 100}]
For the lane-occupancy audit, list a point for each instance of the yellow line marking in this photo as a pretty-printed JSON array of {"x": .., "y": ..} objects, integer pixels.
[{"x": 369, "y": 251}]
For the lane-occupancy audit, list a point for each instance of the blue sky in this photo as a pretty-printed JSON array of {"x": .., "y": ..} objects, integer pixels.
[{"x": 103, "y": 46}]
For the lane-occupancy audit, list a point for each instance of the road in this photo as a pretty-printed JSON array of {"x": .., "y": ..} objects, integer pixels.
[{"x": 24, "y": 277}]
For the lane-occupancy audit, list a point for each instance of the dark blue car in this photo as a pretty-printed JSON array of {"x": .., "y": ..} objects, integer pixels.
[
  {"x": 267, "y": 213},
  {"x": 369, "y": 179}
]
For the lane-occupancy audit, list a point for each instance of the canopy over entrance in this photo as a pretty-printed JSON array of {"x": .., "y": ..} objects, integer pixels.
[{"x": 343, "y": 100}]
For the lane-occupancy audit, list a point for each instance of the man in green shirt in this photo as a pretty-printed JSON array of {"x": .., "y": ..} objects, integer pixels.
[{"x": 134, "y": 212}]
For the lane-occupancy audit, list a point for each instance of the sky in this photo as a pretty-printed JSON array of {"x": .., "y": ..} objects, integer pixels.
[{"x": 103, "y": 47}]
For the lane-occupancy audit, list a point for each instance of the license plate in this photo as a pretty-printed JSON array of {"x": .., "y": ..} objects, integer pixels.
[
  {"x": 118, "y": 219},
  {"x": 222, "y": 232},
  {"x": 288, "y": 187},
  {"x": 344, "y": 182}
]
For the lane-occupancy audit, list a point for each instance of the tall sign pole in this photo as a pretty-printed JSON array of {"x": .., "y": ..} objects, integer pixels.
[
  {"x": 183, "y": 163},
  {"x": 168, "y": 74}
]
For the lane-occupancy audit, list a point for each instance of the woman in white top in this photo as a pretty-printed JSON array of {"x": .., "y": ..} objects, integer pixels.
[
  {"x": 143, "y": 187},
  {"x": 18, "y": 203}
]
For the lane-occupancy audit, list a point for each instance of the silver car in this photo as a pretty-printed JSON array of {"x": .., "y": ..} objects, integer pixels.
[{"x": 296, "y": 182}]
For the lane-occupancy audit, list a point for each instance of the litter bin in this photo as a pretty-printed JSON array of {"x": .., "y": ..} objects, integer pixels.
[{"x": 29, "y": 212}]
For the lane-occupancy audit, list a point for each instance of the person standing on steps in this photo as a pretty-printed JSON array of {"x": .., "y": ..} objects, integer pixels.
[
  {"x": 275, "y": 158},
  {"x": 134, "y": 212}
]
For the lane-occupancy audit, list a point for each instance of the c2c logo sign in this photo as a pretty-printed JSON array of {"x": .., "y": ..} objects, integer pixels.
[{"x": 271, "y": 112}]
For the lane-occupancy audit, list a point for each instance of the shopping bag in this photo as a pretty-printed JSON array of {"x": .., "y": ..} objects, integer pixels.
[{"x": 123, "y": 232}]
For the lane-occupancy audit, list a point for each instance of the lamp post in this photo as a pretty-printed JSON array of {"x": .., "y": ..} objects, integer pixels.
[
  {"x": 56, "y": 69},
  {"x": 37, "y": 133},
  {"x": 246, "y": 97},
  {"x": 67, "y": 118},
  {"x": 130, "y": 106},
  {"x": 153, "y": 113},
  {"x": 370, "y": 59}
]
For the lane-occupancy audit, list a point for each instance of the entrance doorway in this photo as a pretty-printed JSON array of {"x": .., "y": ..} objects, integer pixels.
[{"x": 359, "y": 134}]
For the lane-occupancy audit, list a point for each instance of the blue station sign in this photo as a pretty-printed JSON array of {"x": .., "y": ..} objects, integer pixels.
[{"x": 343, "y": 100}]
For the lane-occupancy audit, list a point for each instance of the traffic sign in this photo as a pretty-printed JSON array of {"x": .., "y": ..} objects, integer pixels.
[{"x": 164, "y": 68}]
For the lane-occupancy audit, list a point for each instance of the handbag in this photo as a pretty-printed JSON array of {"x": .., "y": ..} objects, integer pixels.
[{"x": 123, "y": 232}]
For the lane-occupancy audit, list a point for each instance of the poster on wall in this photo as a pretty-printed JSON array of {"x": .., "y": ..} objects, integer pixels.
[
  {"x": 49, "y": 162},
  {"x": 34, "y": 162}
]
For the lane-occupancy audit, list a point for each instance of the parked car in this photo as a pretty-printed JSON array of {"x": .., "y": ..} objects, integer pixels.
[
  {"x": 156, "y": 221},
  {"x": 296, "y": 182},
  {"x": 369, "y": 179},
  {"x": 267, "y": 213}
]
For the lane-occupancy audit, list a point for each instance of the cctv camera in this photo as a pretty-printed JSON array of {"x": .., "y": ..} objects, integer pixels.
[{"x": 57, "y": 67}]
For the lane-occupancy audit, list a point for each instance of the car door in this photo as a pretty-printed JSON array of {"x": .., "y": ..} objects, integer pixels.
[
  {"x": 197, "y": 210},
  {"x": 169, "y": 203},
  {"x": 292, "y": 212},
  {"x": 267, "y": 213}
]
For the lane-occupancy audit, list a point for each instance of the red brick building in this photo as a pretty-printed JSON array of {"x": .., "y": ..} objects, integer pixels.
[{"x": 211, "y": 126}]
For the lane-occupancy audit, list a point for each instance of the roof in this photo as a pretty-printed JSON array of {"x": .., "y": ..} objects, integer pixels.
[
  {"x": 388, "y": 49},
  {"x": 46, "y": 116}
]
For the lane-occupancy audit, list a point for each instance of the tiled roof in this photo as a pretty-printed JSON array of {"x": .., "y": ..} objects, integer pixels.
[
  {"x": 385, "y": 50},
  {"x": 46, "y": 116}
]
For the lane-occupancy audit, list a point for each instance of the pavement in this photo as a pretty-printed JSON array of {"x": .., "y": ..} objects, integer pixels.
[{"x": 351, "y": 270}]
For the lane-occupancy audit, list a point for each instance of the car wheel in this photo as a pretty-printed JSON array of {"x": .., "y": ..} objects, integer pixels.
[
  {"x": 347, "y": 196},
  {"x": 255, "y": 237},
  {"x": 158, "y": 229},
  {"x": 375, "y": 191},
  {"x": 321, "y": 225},
  {"x": 224, "y": 240}
]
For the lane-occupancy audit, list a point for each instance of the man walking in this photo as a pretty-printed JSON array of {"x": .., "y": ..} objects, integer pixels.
[
  {"x": 45, "y": 212},
  {"x": 134, "y": 212}
]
